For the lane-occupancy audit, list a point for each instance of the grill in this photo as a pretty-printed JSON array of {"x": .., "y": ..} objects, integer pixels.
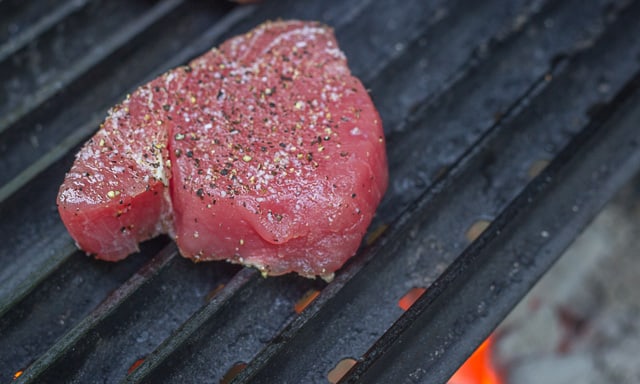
[{"x": 513, "y": 120}]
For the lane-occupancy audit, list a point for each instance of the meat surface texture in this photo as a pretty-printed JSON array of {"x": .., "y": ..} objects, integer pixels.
[{"x": 265, "y": 152}]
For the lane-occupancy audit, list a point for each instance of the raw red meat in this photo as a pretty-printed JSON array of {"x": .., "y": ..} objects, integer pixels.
[
  {"x": 271, "y": 152},
  {"x": 116, "y": 193}
]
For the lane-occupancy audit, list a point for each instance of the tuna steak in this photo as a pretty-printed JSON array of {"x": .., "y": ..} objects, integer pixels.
[{"x": 264, "y": 152}]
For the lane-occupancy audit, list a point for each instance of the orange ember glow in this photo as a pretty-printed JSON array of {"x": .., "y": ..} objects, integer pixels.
[
  {"x": 340, "y": 370},
  {"x": 410, "y": 297},
  {"x": 214, "y": 292},
  {"x": 233, "y": 372},
  {"x": 373, "y": 236},
  {"x": 17, "y": 374},
  {"x": 305, "y": 300},
  {"x": 135, "y": 365},
  {"x": 479, "y": 367}
]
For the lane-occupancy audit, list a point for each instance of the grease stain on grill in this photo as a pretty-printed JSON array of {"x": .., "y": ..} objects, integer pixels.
[
  {"x": 340, "y": 370},
  {"x": 476, "y": 229},
  {"x": 233, "y": 372}
]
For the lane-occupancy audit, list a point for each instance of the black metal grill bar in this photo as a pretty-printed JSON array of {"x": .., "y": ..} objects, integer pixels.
[
  {"x": 200, "y": 320},
  {"x": 215, "y": 339},
  {"x": 432, "y": 61},
  {"x": 37, "y": 20},
  {"x": 450, "y": 124},
  {"x": 60, "y": 302},
  {"x": 429, "y": 342},
  {"x": 78, "y": 354},
  {"x": 16, "y": 290},
  {"x": 142, "y": 276},
  {"x": 58, "y": 73}
]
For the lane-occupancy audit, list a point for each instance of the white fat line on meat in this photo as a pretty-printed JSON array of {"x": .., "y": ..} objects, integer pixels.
[
  {"x": 159, "y": 172},
  {"x": 306, "y": 31},
  {"x": 149, "y": 98},
  {"x": 248, "y": 45}
]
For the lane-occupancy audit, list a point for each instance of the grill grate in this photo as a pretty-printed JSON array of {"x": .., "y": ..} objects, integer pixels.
[{"x": 475, "y": 96}]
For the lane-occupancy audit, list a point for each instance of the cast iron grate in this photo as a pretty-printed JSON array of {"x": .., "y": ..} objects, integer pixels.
[{"x": 522, "y": 115}]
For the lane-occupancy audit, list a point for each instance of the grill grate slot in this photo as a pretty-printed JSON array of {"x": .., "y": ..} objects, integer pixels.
[{"x": 472, "y": 96}]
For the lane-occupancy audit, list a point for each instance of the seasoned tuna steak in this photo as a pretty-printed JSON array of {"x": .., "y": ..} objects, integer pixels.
[
  {"x": 116, "y": 193},
  {"x": 264, "y": 152}
]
